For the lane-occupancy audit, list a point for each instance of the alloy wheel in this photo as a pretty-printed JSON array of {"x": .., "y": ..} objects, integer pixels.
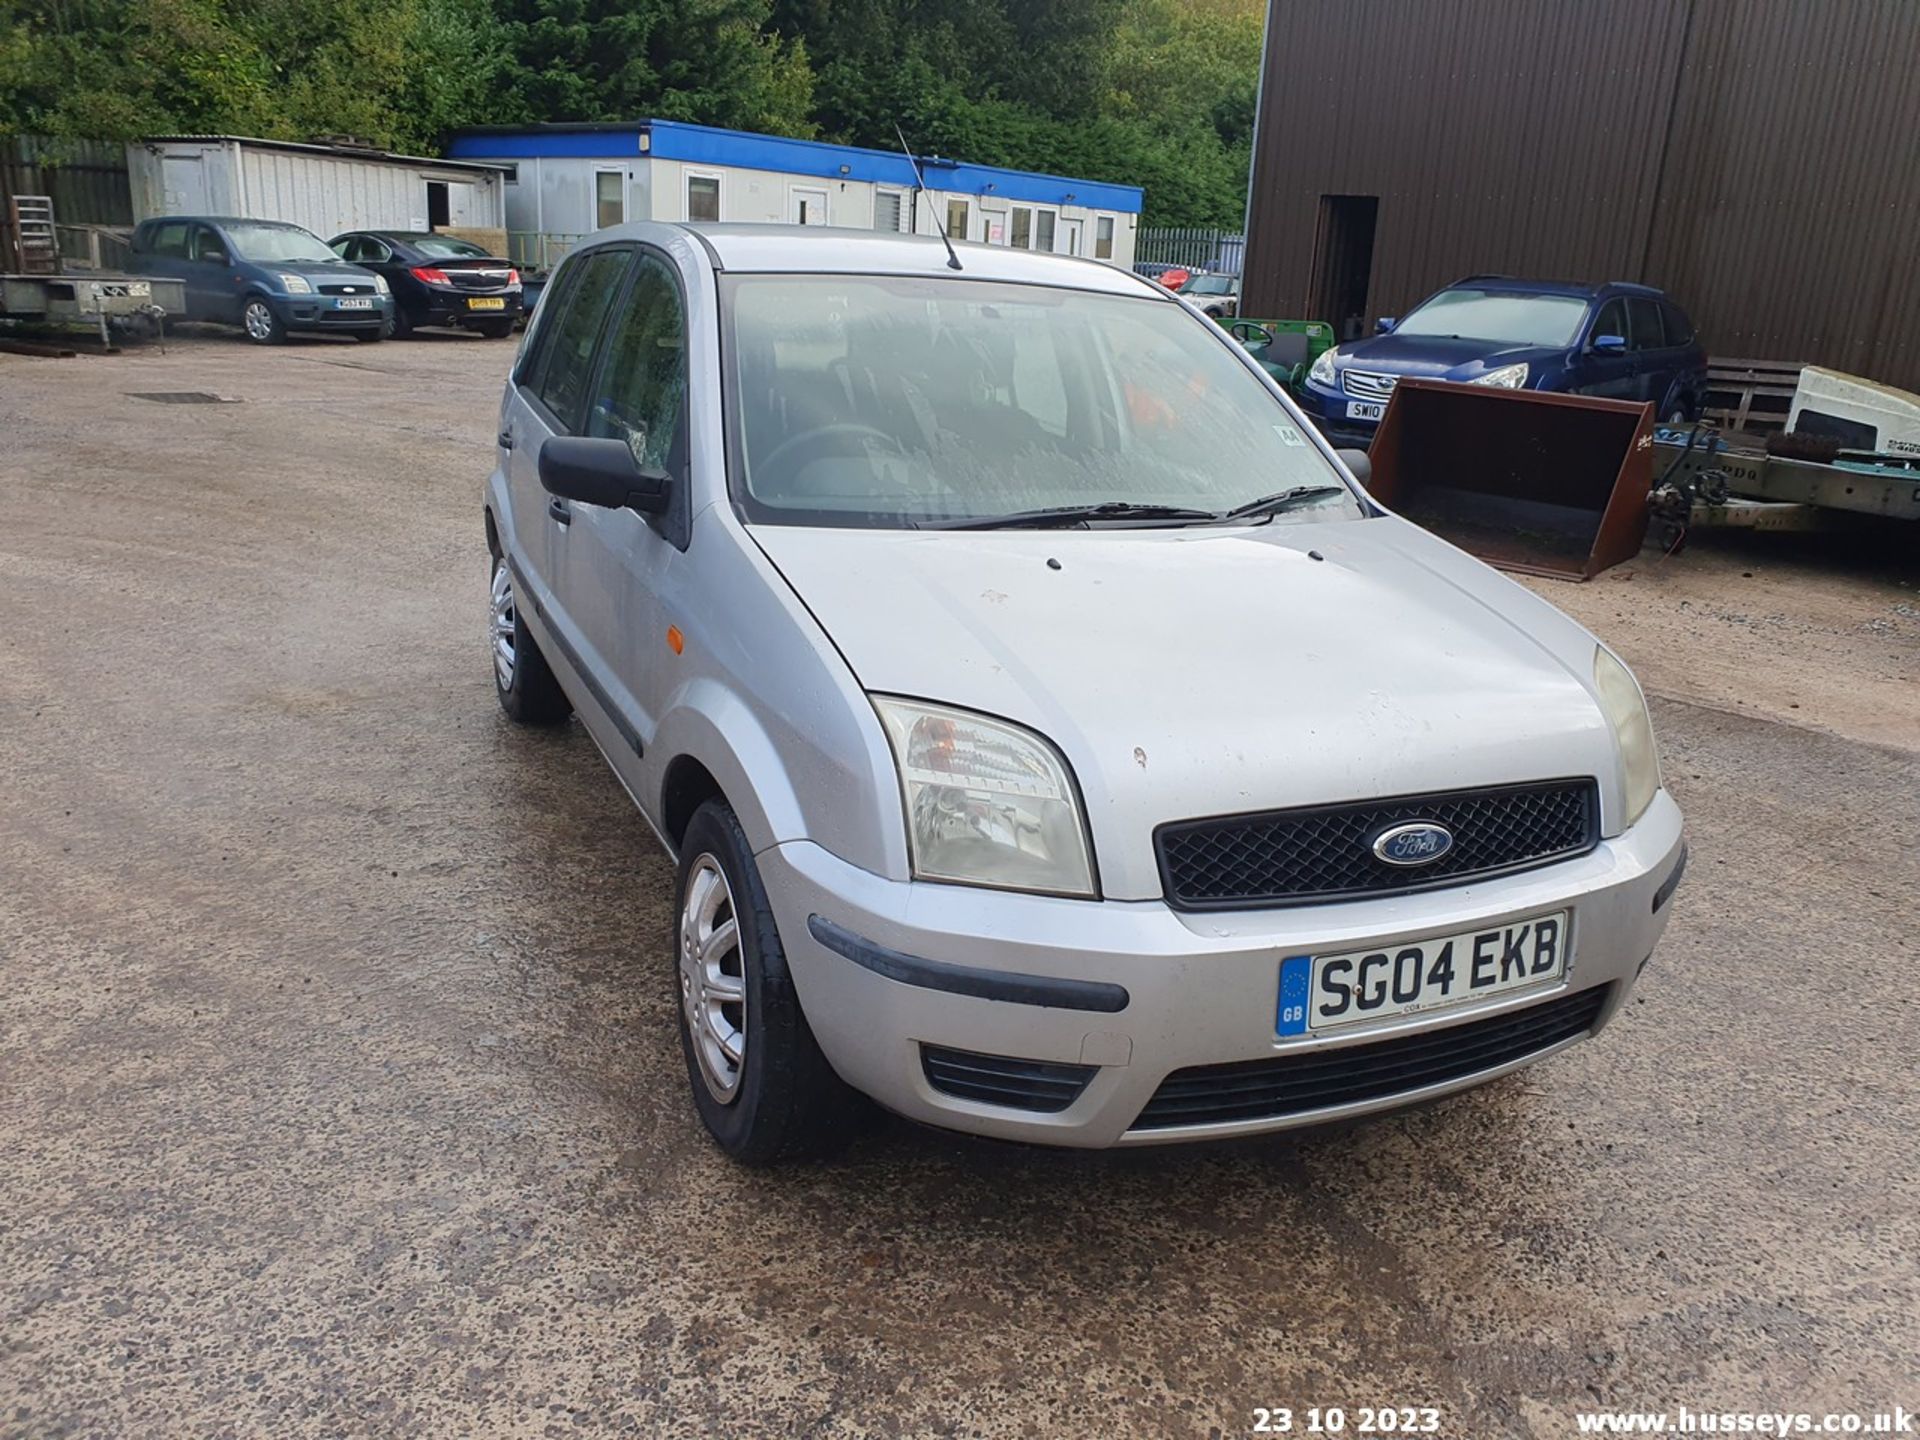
[
  {"x": 501, "y": 624},
  {"x": 259, "y": 320},
  {"x": 713, "y": 984}
]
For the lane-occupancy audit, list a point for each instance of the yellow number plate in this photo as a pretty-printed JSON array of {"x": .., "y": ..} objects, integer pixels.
[{"x": 478, "y": 303}]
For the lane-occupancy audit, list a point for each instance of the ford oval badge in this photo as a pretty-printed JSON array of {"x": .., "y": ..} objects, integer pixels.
[{"x": 1417, "y": 842}]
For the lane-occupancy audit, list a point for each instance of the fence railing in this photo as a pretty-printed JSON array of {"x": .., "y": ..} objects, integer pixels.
[
  {"x": 537, "y": 249},
  {"x": 94, "y": 247},
  {"x": 1221, "y": 251}
]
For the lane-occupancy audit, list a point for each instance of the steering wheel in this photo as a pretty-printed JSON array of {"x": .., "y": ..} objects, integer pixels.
[
  {"x": 1250, "y": 333},
  {"x": 831, "y": 439}
]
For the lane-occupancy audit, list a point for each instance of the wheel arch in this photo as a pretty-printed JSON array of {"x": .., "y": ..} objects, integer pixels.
[
  {"x": 717, "y": 748},
  {"x": 687, "y": 785}
]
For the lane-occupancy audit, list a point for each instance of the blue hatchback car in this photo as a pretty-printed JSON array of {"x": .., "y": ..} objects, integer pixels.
[
  {"x": 1619, "y": 341},
  {"x": 266, "y": 276}
]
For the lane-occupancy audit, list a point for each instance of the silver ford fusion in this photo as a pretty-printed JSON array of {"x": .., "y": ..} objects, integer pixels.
[{"x": 1054, "y": 741}]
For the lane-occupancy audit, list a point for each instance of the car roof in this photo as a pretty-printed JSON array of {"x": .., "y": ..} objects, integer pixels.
[
  {"x": 1558, "y": 287},
  {"x": 223, "y": 220},
  {"x": 808, "y": 250}
]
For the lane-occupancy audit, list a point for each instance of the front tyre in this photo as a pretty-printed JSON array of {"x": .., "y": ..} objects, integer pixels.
[
  {"x": 761, "y": 1085},
  {"x": 263, "y": 327},
  {"x": 521, "y": 677}
]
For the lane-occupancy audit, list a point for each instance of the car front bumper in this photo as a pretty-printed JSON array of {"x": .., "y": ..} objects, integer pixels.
[
  {"x": 885, "y": 968},
  {"x": 324, "y": 312},
  {"x": 1328, "y": 411}
]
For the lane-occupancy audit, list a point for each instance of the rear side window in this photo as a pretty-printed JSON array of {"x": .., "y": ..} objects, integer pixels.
[
  {"x": 1648, "y": 333},
  {"x": 561, "y": 371},
  {"x": 1679, "y": 328},
  {"x": 168, "y": 239}
]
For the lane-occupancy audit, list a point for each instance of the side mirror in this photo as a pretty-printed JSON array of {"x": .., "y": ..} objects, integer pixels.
[
  {"x": 217, "y": 257},
  {"x": 1358, "y": 463},
  {"x": 1384, "y": 325},
  {"x": 1609, "y": 344},
  {"x": 604, "y": 473}
]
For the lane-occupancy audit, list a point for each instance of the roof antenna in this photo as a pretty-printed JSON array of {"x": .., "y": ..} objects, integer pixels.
[{"x": 953, "y": 260}]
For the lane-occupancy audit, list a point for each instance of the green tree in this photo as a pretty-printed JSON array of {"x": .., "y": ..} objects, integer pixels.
[
  {"x": 1157, "y": 93},
  {"x": 711, "y": 61}
]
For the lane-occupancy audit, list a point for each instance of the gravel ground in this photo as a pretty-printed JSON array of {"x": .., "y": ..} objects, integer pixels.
[{"x": 339, "y": 1092}]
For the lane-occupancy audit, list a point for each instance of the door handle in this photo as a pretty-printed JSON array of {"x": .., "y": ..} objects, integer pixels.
[
  {"x": 506, "y": 439},
  {"x": 557, "y": 510}
]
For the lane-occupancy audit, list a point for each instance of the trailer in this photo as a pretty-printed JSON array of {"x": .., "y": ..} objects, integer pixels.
[
  {"x": 135, "y": 304},
  {"x": 1706, "y": 479},
  {"x": 40, "y": 296}
]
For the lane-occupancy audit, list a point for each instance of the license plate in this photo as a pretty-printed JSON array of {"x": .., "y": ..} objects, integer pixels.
[
  {"x": 481, "y": 303},
  {"x": 1324, "y": 992},
  {"x": 355, "y": 302},
  {"x": 1366, "y": 409}
]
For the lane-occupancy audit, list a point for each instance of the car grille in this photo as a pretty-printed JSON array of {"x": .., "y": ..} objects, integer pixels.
[
  {"x": 1352, "y": 1074},
  {"x": 338, "y": 289},
  {"x": 1368, "y": 384},
  {"x": 1289, "y": 857},
  {"x": 1003, "y": 1080}
]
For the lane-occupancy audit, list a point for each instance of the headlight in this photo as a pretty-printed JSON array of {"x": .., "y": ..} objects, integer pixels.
[
  {"x": 1626, "y": 711},
  {"x": 379, "y": 284},
  {"x": 295, "y": 285},
  {"x": 1322, "y": 371},
  {"x": 1507, "y": 377},
  {"x": 988, "y": 803}
]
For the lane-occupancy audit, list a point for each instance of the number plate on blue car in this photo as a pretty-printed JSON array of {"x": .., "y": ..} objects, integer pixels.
[
  {"x": 1324, "y": 992},
  {"x": 1366, "y": 409},
  {"x": 355, "y": 302}
]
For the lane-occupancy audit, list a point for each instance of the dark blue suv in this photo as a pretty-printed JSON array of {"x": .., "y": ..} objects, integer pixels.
[{"x": 1624, "y": 342}]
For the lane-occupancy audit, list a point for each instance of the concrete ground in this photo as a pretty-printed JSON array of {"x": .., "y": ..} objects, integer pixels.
[{"x": 339, "y": 1091}]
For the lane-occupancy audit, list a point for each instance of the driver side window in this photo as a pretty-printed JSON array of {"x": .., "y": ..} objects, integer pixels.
[
  {"x": 209, "y": 247},
  {"x": 643, "y": 383},
  {"x": 1612, "y": 321}
]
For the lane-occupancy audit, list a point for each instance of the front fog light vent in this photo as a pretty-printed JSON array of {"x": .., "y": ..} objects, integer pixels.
[{"x": 1004, "y": 1080}]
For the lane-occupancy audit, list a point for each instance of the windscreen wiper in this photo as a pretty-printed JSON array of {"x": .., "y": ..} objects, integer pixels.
[
  {"x": 1064, "y": 515},
  {"x": 1280, "y": 500}
]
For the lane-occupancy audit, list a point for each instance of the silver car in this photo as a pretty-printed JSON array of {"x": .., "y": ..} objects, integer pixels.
[{"x": 1054, "y": 740}]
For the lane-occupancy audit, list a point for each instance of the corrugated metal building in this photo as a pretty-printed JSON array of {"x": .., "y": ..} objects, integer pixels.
[
  {"x": 327, "y": 188},
  {"x": 1755, "y": 157},
  {"x": 571, "y": 179}
]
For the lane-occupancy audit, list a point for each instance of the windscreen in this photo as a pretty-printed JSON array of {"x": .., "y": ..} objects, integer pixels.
[
  {"x": 270, "y": 243},
  {"x": 1208, "y": 285},
  {"x": 1468, "y": 314},
  {"x": 896, "y": 401}
]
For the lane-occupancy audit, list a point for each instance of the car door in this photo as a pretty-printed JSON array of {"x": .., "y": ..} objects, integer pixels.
[
  {"x": 213, "y": 288},
  {"x": 377, "y": 255},
  {"x": 549, "y": 397},
  {"x": 1653, "y": 368},
  {"x": 1603, "y": 372},
  {"x": 621, "y": 568},
  {"x": 163, "y": 252}
]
